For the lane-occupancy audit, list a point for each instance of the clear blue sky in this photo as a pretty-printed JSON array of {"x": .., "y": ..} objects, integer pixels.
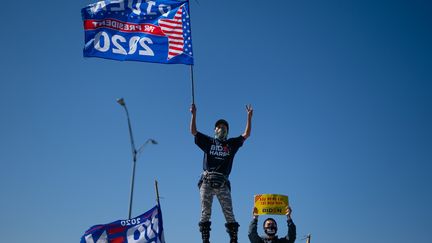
[{"x": 342, "y": 102}]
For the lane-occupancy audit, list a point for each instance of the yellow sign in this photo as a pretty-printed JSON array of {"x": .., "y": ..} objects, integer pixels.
[{"x": 270, "y": 204}]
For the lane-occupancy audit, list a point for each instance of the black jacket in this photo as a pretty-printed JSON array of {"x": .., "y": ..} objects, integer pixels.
[{"x": 255, "y": 238}]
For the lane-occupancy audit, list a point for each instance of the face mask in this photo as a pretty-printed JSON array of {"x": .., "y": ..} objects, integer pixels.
[
  {"x": 221, "y": 133},
  {"x": 270, "y": 231}
]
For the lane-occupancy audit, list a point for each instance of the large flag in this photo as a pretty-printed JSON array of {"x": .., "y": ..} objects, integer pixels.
[
  {"x": 146, "y": 228},
  {"x": 139, "y": 30}
]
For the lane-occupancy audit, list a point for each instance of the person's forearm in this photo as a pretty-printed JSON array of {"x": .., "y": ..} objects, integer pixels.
[
  {"x": 253, "y": 234},
  {"x": 248, "y": 128},
  {"x": 292, "y": 231},
  {"x": 193, "y": 128}
]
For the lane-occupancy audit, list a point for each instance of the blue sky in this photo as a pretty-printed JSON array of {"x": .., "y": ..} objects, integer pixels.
[{"x": 342, "y": 100}]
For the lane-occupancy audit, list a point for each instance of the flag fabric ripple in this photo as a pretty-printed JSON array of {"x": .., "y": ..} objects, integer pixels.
[
  {"x": 146, "y": 228},
  {"x": 149, "y": 31}
]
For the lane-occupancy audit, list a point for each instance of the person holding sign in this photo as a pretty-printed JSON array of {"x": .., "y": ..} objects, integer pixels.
[
  {"x": 219, "y": 154},
  {"x": 270, "y": 229}
]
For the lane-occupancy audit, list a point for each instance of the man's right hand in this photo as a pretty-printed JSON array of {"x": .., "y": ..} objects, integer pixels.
[
  {"x": 193, "y": 128},
  {"x": 255, "y": 213},
  {"x": 193, "y": 109}
]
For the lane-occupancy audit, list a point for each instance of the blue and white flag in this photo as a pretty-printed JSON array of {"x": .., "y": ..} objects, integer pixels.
[
  {"x": 146, "y": 228},
  {"x": 139, "y": 30}
]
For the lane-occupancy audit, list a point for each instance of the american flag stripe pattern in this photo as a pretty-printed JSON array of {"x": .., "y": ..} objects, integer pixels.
[{"x": 174, "y": 30}]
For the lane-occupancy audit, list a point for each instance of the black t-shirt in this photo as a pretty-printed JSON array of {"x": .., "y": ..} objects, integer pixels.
[{"x": 218, "y": 154}]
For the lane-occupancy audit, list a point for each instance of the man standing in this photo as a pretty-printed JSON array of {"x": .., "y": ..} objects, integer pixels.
[
  {"x": 270, "y": 229},
  {"x": 219, "y": 154}
]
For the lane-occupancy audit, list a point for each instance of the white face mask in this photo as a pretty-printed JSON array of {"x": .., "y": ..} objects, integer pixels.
[
  {"x": 270, "y": 231},
  {"x": 221, "y": 133}
]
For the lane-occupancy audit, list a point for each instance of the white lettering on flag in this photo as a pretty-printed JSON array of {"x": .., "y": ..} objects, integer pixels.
[
  {"x": 138, "y": 30},
  {"x": 146, "y": 228}
]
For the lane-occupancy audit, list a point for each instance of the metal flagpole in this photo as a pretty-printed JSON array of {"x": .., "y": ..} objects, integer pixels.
[
  {"x": 308, "y": 238},
  {"x": 135, "y": 153},
  {"x": 157, "y": 193},
  {"x": 191, "y": 66},
  {"x": 193, "y": 84}
]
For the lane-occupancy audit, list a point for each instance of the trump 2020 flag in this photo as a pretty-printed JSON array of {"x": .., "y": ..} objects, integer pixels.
[
  {"x": 146, "y": 228},
  {"x": 139, "y": 30}
]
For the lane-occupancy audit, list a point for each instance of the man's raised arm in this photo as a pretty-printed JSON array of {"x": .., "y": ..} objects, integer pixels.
[{"x": 248, "y": 128}]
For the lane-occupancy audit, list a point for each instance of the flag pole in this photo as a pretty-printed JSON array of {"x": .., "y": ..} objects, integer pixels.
[
  {"x": 157, "y": 193},
  {"x": 193, "y": 84},
  {"x": 191, "y": 66},
  {"x": 308, "y": 238}
]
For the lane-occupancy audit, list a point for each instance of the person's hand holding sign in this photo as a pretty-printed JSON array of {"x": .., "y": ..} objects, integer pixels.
[
  {"x": 288, "y": 212},
  {"x": 255, "y": 213}
]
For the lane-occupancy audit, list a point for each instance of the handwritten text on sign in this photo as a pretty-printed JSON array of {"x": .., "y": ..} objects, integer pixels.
[{"x": 271, "y": 204}]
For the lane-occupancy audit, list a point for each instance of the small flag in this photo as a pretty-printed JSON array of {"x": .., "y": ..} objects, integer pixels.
[
  {"x": 146, "y": 228},
  {"x": 148, "y": 31}
]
